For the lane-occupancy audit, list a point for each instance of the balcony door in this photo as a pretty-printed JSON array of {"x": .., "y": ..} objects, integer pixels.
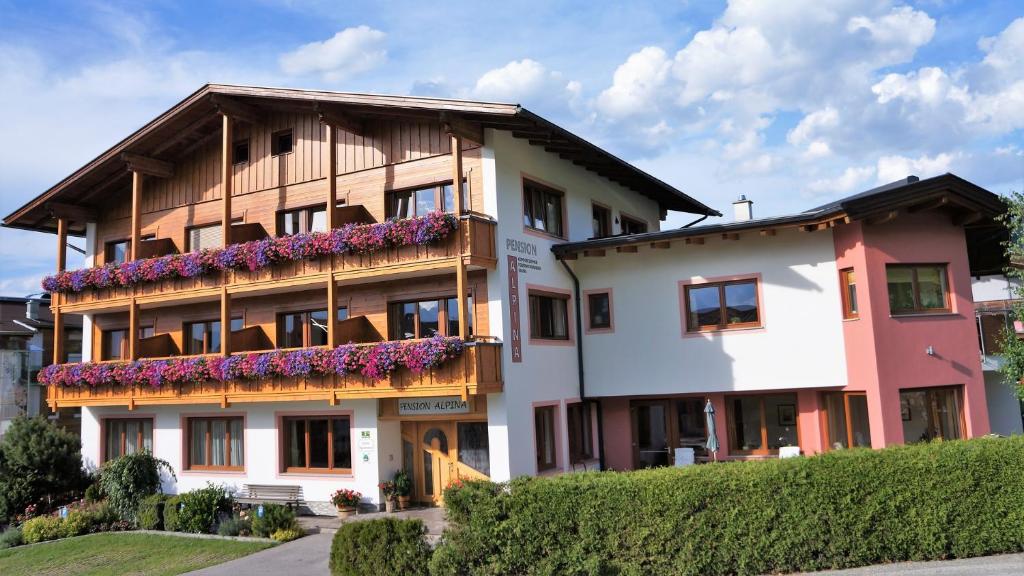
[
  {"x": 650, "y": 433},
  {"x": 437, "y": 452}
]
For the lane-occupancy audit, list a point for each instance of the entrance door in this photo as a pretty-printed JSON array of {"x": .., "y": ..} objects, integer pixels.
[
  {"x": 435, "y": 453},
  {"x": 650, "y": 433}
]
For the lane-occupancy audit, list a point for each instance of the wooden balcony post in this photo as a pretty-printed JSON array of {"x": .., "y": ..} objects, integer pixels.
[
  {"x": 226, "y": 177},
  {"x": 133, "y": 330},
  {"x": 332, "y": 312},
  {"x": 225, "y": 322},
  {"x": 133, "y": 248},
  {"x": 58, "y": 316},
  {"x": 460, "y": 266},
  {"x": 332, "y": 223}
]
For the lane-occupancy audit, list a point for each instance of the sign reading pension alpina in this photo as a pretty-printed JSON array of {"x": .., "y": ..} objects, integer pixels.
[{"x": 431, "y": 406}]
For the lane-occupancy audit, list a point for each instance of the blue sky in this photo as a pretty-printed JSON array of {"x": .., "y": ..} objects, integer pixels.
[{"x": 792, "y": 103}]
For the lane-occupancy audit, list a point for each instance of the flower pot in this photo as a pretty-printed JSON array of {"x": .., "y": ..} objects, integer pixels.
[
  {"x": 389, "y": 506},
  {"x": 404, "y": 502},
  {"x": 346, "y": 511}
]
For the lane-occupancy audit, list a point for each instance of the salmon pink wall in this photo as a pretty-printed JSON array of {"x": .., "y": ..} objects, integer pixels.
[{"x": 617, "y": 434}]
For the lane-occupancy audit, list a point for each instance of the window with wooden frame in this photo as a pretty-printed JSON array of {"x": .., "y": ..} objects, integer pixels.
[
  {"x": 932, "y": 413},
  {"x": 281, "y": 142},
  {"x": 117, "y": 251},
  {"x": 321, "y": 444},
  {"x": 302, "y": 329},
  {"x": 308, "y": 219},
  {"x": 542, "y": 209},
  {"x": 544, "y": 436},
  {"x": 203, "y": 337},
  {"x": 114, "y": 344},
  {"x": 215, "y": 443},
  {"x": 204, "y": 237},
  {"x": 722, "y": 305},
  {"x": 549, "y": 316},
  {"x": 426, "y": 318},
  {"x": 761, "y": 424},
  {"x": 848, "y": 285},
  {"x": 240, "y": 152},
  {"x": 599, "y": 310},
  {"x": 917, "y": 289},
  {"x": 124, "y": 436},
  {"x": 632, "y": 225},
  {"x": 424, "y": 200},
  {"x": 581, "y": 433},
  {"x": 846, "y": 420},
  {"x": 602, "y": 221}
]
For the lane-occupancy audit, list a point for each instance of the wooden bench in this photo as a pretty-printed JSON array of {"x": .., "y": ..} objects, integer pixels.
[{"x": 270, "y": 494}]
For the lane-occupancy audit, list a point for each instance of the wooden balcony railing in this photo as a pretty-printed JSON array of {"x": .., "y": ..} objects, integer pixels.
[
  {"x": 476, "y": 371},
  {"x": 474, "y": 242}
]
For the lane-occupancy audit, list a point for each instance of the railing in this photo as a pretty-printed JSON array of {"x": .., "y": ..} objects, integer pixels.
[
  {"x": 474, "y": 241},
  {"x": 476, "y": 371}
]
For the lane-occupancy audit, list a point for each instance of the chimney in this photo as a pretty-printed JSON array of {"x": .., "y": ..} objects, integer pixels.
[
  {"x": 742, "y": 209},
  {"x": 32, "y": 309}
]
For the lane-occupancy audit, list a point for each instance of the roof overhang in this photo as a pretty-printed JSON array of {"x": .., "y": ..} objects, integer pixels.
[{"x": 155, "y": 146}]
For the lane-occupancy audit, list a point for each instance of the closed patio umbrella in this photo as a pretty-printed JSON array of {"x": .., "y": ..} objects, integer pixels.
[{"x": 712, "y": 444}]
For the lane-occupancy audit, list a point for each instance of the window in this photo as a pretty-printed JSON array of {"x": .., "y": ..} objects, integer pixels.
[
  {"x": 281, "y": 143},
  {"x": 311, "y": 219},
  {"x": 762, "y": 424},
  {"x": 599, "y": 311},
  {"x": 205, "y": 237},
  {"x": 240, "y": 152},
  {"x": 146, "y": 332},
  {"x": 317, "y": 444},
  {"x": 846, "y": 417},
  {"x": 114, "y": 344},
  {"x": 602, "y": 221},
  {"x": 848, "y": 284},
  {"x": 542, "y": 209},
  {"x": 425, "y": 318},
  {"x": 123, "y": 436},
  {"x": 422, "y": 201},
  {"x": 544, "y": 435},
  {"x": 581, "y": 433},
  {"x": 216, "y": 444},
  {"x": 692, "y": 425},
  {"x": 632, "y": 225},
  {"x": 204, "y": 337},
  {"x": 117, "y": 252},
  {"x": 931, "y": 413},
  {"x": 549, "y": 316},
  {"x": 474, "y": 450},
  {"x": 302, "y": 329},
  {"x": 722, "y": 305},
  {"x": 917, "y": 289}
]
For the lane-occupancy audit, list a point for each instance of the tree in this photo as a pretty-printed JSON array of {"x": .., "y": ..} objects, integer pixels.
[
  {"x": 1012, "y": 345},
  {"x": 40, "y": 464},
  {"x": 128, "y": 480}
]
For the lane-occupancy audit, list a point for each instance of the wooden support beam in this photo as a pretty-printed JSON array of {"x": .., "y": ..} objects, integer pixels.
[
  {"x": 887, "y": 217},
  {"x": 73, "y": 213},
  {"x": 236, "y": 109},
  {"x": 661, "y": 245},
  {"x": 596, "y": 253},
  {"x": 225, "y": 321},
  {"x": 147, "y": 165},
  {"x": 116, "y": 180},
  {"x": 336, "y": 117},
  {"x": 457, "y": 126},
  {"x": 136, "y": 239},
  {"x": 460, "y": 264},
  {"x": 768, "y": 232},
  {"x": 226, "y": 177},
  {"x": 967, "y": 218},
  {"x": 573, "y": 256},
  {"x": 698, "y": 241},
  {"x": 932, "y": 204},
  {"x": 182, "y": 134},
  {"x": 58, "y": 316},
  {"x": 332, "y": 312},
  {"x": 730, "y": 236},
  {"x": 133, "y": 330},
  {"x": 631, "y": 249},
  {"x": 332, "y": 176},
  {"x": 62, "y": 244}
]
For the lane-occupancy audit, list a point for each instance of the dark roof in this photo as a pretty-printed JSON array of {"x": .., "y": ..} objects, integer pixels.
[
  {"x": 196, "y": 116},
  {"x": 947, "y": 190}
]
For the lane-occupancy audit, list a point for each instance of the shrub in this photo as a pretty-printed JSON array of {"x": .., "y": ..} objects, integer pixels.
[
  {"x": 129, "y": 479},
  {"x": 76, "y": 523},
  {"x": 172, "y": 511},
  {"x": 202, "y": 508},
  {"x": 41, "y": 529},
  {"x": 838, "y": 510},
  {"x": 235, "y": 526},
  {"x": 287, "y": 534},
  {"x": 40, "y": 464},
  {"x": 275, "y": 517},
  {"x": 94, "y": 493},
  {"x": 384, "y": 547},
  {"x": 151, "y": 512},
  {"x": 11, "y": 538}
]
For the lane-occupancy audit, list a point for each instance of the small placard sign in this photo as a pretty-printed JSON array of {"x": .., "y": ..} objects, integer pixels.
[{"x": 432, "y": 406}]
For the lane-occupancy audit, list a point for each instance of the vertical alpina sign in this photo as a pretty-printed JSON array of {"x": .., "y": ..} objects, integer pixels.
[{"x": 513, "y": 307}]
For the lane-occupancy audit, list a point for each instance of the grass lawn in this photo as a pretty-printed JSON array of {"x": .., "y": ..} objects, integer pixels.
[{"x": 122, "y": 553}]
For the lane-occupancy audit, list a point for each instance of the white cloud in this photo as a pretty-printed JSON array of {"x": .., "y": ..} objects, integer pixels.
[
  {"x": 850, "y": 180},
  {"x": 808, "y": 127},
  {"x": 892, "y": 168},
  {"x": 347, "y": 53},
  {"x": 516, "y": 81},
  {"x": 636, "y": 84}
]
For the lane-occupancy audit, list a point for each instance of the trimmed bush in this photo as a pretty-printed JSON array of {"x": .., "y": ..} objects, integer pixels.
[
  {"x": 129, "y": 479},
  {"x": 275, "y": 517},
  {"x": 838, "y": 510},
  {"x": 11, "y": 538},
  {"x": 76, "y": 523},
  {"x": 287, "y": 534},
  {"x": 384, "y": 547},
  {"x": 41, "y": 529},
  {"x": 172, "y": 510},
  {"x": 40, "y": 465},
  {"x": 151, "y": 512},
  {"x": 201, "y": 509}
]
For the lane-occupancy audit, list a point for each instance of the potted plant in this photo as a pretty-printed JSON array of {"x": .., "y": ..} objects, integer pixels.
[
  {"x": 388, "y": 488},
  {"x": 346, "y": 501},
  {"x": 403, "y": 488}
]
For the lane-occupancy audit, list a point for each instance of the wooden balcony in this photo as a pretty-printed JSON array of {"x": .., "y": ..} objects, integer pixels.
[
  {"x": 474, "y": 242},
  {"x": 476, "y": 371}
]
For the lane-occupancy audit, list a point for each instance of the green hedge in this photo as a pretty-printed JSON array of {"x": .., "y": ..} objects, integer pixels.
[
  {"x": 838, "y": 510},
  {"x": 151, "y": 512},
  {"x": 171, "y": 513},
  {"x": 383, "y": 547}
]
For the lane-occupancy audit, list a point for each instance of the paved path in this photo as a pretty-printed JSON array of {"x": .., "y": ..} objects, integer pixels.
[
  {"x": 300, "y": 557},
  {"x": 1005, "y": 565}
]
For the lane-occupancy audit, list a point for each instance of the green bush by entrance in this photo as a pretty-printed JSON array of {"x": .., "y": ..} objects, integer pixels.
[
  {"x": 838, "y": 510},
  {"x": 383, "y": 547}
]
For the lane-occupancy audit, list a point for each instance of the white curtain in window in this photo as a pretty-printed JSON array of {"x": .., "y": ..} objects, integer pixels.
[
  {"x": 559, "y": 318},
  {"x": 218, "y": 433},
  {"x": 197, "y": 453},
  {"x": 131, "y": 444},
  {"x": 237, "y": 446},
  {"x": 114, "y": 430},
  {"x": 147, "y": 436}
]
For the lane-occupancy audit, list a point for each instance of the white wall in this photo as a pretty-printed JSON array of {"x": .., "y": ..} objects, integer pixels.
[
  {"x": 261, "y": 446},
  {"x": 993, "y": 287},
  {"x": 801, "y": 345},
  {"x": 1004, "y": 414}
]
